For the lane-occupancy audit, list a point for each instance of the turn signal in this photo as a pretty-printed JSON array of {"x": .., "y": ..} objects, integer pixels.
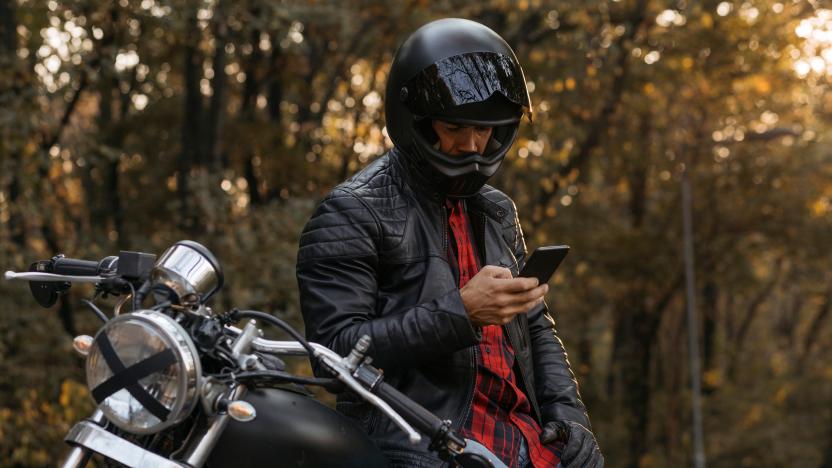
[
  {"x": 82, "y": 344},
  {"x": 241, "y": 411}
]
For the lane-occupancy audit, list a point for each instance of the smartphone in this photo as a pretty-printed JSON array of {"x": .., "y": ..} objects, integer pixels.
[{"x": 543, "y": 262}]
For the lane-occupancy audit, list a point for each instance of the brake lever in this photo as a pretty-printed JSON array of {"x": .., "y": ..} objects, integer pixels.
[
  {"x": 345, "y": 376},
  {"x": 36, "y": 276}
]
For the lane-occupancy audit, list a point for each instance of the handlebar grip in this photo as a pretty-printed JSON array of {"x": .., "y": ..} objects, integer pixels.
[
  {"x": 73, "y": 267},
  {"x": 423, "y": 420}
]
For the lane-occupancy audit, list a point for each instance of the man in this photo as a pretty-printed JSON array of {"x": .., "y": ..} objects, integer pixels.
[{"x": 418, "y": 253}]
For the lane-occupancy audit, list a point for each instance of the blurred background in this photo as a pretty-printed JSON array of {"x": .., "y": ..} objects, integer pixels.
[{"x": 131, "y": 124}]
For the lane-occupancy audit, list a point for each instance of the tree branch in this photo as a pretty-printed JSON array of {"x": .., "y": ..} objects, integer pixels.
[
  {"x": 620, "y": 72},
  {"x": 750, "y": 314},
  {"x": 816, "y": 326},
  {"x": 68, "y": 111}
]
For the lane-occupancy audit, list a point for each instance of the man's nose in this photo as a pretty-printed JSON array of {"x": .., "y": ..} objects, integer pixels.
[{"x": 468, "y": 143}]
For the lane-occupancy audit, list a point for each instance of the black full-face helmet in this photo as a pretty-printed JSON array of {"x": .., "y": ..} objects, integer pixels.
[{"x": 462, "y": 72}]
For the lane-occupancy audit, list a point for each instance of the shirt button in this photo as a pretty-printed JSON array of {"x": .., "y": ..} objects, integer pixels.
[{"x": 488, "y": 349}]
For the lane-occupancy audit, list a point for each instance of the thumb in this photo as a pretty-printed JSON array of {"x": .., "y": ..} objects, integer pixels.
[
  {"x": 548, "y": 434},
  {"x": 552, "y": 432},
  {"x": 495, "y": 271}
]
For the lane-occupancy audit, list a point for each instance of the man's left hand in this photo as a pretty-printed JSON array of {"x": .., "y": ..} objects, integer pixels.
[{"x": 580, "y": 447}]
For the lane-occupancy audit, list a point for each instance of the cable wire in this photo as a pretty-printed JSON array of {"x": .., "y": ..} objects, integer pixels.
[
  {"x": 261, "y": 377},
  {"x": 239, "y": 314},
  {"x": 101, "y": 315}
]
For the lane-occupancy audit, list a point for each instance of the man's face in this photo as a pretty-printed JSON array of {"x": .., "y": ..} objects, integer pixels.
[{"x": 455, "y": 139}]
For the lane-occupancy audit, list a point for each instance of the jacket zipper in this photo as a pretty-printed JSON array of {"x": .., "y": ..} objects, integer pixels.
[
  {"x": 445, "y": 229},
  {"x": 470, "y": 400},
  {"x": 459, "y": 421}
]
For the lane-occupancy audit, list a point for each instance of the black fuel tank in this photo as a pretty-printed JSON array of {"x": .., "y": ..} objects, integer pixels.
[{"x": 294, "y": 430}]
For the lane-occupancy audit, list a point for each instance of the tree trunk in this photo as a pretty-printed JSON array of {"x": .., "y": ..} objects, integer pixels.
[
  {"x": 251, "y": 90},
  {"x": 275, "y": 94},
  {"x": 672, "y": 347},
  {"x": 634, "y": 335},
  {"x": 709, "y": 311},
  {"x": 8, "y": 28},
  {"x": 827, "y": 455},
  {"x": 190, "y": 122},
  {"x": 8, "y": 60},
  {"x": 218, "y": 84},
  {"x": 635, "y": 327},
  {"x": 64, "y": 308}
]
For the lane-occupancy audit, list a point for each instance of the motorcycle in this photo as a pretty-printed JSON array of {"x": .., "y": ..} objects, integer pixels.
[{"x": 179, "y": 385}]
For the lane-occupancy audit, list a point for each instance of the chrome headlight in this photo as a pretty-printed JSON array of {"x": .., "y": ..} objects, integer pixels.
[
  {"x": 189, "y": 271},
  {"x": 143, "y": 370}
]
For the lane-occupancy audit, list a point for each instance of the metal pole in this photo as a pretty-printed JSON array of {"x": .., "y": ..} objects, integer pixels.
[{"x": 693, "y": 340}]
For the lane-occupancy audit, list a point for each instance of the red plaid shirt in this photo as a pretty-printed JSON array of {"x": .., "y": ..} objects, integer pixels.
[{"x": 500, "y": 416}]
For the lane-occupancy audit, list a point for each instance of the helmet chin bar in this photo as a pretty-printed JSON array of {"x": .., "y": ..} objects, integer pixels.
[
  {"x": 464, "y": 186},
  {"x": 461, "y": 176}
]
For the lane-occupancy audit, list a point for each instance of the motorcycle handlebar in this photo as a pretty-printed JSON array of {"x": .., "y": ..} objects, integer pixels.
[
  {"x": 423, "y": 420},
  {"x": 336, "y": 363},
  {"x": 74, "y": 267}
]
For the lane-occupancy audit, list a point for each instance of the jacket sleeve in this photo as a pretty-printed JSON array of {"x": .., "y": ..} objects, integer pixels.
[
  {"x": 337, "y": 272},
  {"x": 556, "y": 388}
]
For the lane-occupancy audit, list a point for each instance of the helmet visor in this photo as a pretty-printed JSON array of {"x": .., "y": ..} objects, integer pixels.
[{"x": 466, "y": 79}]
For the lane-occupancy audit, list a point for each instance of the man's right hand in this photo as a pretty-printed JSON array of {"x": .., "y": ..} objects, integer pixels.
[{"x": 494, "y": 297}]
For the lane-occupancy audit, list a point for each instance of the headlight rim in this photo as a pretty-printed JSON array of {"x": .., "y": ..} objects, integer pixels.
[{"x": 189, "y": 380}]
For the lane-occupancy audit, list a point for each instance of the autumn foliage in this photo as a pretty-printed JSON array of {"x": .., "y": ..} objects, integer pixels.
[{"x": 131, "y": 124}]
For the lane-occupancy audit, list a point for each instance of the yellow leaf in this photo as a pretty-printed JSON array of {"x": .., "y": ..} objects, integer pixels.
[
  {"x": 762, "y": 85},
  {"x": 707, "y": 21},
  {"x": 64, "y": 398},
  {"x": 778, "y": 363},
  {"x": 783, "y": 393},
  {"x": 753, "y": 417},
  {"x": 712, "y": 378},
  {"x": 820, "y": 207},
  {"x": 687, "y": 63},
  {"x": 570, "y": 84}
]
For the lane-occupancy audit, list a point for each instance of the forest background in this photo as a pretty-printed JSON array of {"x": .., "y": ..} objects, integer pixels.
[{"x": 131, "y": 124}]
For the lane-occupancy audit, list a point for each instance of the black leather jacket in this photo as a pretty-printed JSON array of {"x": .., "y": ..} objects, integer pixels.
[{"x": 373, "y": 260}]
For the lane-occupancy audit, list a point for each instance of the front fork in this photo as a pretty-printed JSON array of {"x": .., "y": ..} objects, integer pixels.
[
  {"x": 78, "y": 456},
  {"x": 89, "y": 436}
]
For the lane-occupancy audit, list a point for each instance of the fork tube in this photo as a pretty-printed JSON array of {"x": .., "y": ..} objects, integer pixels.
[
  {"x": 79, "y": 456},
  {"x": 198, "y": 453}
]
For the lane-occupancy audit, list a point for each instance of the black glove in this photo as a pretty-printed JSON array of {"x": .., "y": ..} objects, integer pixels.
[{"x": 580, "y": 450}]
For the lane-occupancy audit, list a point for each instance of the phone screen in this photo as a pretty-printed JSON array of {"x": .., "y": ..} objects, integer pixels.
[{"x": 543, "y": 262}]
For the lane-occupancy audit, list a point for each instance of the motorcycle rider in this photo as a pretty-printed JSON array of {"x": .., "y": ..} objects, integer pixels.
[{"x": 418, "y": 253}]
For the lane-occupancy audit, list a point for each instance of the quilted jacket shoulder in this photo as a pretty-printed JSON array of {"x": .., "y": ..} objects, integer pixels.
[{"x": 362, "y": 216}]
